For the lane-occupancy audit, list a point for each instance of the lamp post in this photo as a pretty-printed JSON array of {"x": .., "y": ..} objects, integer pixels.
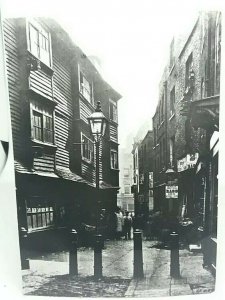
[{"x": 97, "y": 122}]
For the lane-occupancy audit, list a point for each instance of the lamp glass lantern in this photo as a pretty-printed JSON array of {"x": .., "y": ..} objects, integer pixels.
[{"x": 97, "y": 122}]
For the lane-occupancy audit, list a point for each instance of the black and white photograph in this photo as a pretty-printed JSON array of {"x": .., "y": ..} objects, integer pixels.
[{"x": 109, "y": 147}]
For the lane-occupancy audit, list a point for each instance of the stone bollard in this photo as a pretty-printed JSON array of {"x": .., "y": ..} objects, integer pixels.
[
  {"x": 138, "y": 255},
  {"x": 73, "y": 269},
  {"x": 23, "y": 249},
  {"x": 98, "y": 256},
  {"x": 174, "y": 255}
]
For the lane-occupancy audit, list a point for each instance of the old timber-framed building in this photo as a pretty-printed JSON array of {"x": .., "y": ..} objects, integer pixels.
[{"x": 53, "y": 88}]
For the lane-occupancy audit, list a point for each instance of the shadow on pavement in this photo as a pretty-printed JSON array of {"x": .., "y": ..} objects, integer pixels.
[{"x": 74, "y": 286}]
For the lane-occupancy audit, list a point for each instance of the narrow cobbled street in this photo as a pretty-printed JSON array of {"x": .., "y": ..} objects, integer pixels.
[{"x": 48, "y": 274}]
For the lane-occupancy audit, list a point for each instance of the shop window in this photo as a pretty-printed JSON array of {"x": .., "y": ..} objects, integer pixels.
[
  {"x": 41, "y": 123},
  {"x": 39, "y": 216},
  {"x": 87, "y": 148},
  {"x": 113, "y": 111},
  {"x": 114, "y": 159},
  {"x": 39, "y": 43}
]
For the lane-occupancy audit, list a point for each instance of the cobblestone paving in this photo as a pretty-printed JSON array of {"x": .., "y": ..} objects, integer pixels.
[{"x": 83, "y": 287}]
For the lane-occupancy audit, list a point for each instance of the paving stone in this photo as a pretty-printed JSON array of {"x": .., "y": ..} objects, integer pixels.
[{"x": 48, "y": 275}]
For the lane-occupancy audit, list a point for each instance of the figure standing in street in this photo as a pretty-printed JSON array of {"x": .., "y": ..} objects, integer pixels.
[
  {"x": 119, "y": 224},
  {"x": 127, "y": 225}
]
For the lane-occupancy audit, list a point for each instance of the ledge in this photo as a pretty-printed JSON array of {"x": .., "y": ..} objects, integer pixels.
[
  {"x": 40, "y": 97},
  {"x": 43, "y": 144},
  {"x": 41, "y": 229}
]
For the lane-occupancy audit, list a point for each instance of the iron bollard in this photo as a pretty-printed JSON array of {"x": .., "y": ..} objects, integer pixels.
[
  {"x": 138, "y": 255},
  {"x": 73, "y": 269},
  {"x": 23, "y": 249},
  {"x": 98, "y": 256},
  {"x": 174, "y": 255}
]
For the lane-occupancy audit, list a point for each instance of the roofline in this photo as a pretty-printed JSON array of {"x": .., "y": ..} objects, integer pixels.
[
  {"x": 53, "y": 22},
  {"x": 189, "y": 37}
]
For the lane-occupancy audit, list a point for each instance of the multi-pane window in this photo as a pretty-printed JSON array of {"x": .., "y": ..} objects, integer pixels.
[
  {"x": 87, "y": 148},
  {"x": 172, "y": 101},
  {"x": 113, "y": 111},
  {"x": 39, "y": 215},
  {"x": 39, "y": 42},
  {"x": 114, "y": 159},
  {"x": 86, "y": 88},
  {"x": 189, "y": 66},
  {"x": 42, "y": 123}
]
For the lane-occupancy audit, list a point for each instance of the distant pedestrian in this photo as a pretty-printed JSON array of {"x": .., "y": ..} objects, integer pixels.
[
  {"x": 119, "y": 224},
  {"x": 127, "y": 225}
]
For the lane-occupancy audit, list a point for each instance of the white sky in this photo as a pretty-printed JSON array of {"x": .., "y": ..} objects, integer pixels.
[{"x": 131, "y": 39}]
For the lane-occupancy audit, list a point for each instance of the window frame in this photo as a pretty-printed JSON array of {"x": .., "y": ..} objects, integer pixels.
[
  {"x": 113, "y": 165},
  {"x": 90, "y": 151},
  {"x": 34, "y": 109},
  {"x": 41, "y": 32},
  {"x": 113, "y": 104},
  {"x": 82, "y": 75}
]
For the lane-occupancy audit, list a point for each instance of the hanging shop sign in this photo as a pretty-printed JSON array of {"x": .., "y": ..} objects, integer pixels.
[
  {"x": 188, "y": 162},
  {"x": 171, "y": 191}
]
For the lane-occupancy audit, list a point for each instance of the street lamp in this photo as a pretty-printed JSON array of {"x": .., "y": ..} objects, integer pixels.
[{"x": 97, "y": 122}]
